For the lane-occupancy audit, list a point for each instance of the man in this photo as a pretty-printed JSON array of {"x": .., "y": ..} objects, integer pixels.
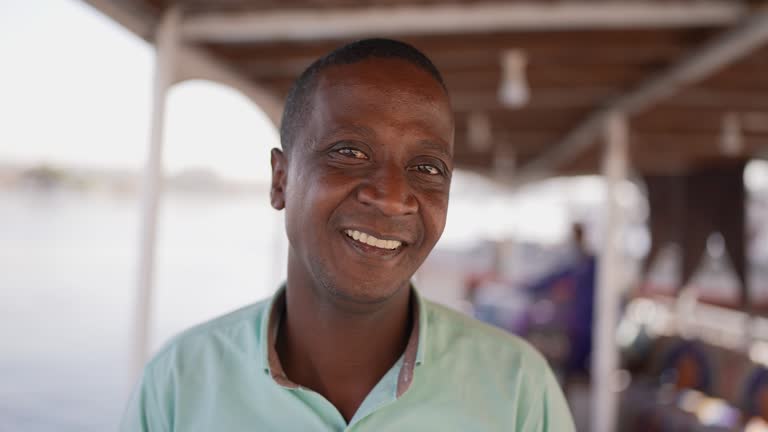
[{"x": 347, "y": 343}]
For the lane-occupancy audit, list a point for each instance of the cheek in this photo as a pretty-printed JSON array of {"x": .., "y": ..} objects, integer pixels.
[
  {"x": 434, "y": 212},
  {"x": 303, "y": 187},
  {"x": 314, "y": 194},
  {"x": 298, "y": 206}
]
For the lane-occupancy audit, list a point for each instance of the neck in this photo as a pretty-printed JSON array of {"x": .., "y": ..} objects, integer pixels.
[{"x": 339, "y": 349}]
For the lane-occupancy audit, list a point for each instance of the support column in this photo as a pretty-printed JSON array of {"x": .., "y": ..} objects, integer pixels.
[
  {"x": 166, "y": 43},
  {"x": 609, "y": 279}
]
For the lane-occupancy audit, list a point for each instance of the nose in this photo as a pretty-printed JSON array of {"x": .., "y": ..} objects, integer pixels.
[{"x": 389, "y": 192}]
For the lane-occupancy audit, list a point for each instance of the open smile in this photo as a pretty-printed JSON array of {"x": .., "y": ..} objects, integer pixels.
[
  {"x": 370, "y": 244},
  {"x": 372, "y": 240}
]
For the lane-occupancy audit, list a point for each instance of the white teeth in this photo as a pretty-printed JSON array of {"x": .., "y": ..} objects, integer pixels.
[{"x": 373, "y": 241}]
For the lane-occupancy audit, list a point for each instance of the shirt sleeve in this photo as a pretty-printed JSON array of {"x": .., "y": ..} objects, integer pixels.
[
  {"x": 144, "y": 413},
  {"x": 556, "y": 416}
]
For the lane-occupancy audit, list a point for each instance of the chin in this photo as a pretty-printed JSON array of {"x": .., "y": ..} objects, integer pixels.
[{"x": 365, "y": 291}]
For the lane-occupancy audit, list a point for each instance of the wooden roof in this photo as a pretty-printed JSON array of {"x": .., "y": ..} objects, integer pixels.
[{"x": 573, "y": 72}]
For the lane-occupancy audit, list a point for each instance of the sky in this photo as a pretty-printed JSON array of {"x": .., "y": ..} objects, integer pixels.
[{"x": 76, "y": 90}]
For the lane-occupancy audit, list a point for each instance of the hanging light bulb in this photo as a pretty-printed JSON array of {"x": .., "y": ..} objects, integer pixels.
[
  {"x": 715, "y": 278},
  {"x": 513, "y": 90}
]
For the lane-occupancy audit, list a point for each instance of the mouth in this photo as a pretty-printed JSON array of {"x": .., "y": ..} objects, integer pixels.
[{"x": 373, "y": 245}]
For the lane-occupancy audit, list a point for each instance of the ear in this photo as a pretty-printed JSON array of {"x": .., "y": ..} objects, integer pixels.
[{"x": 277, "y": 190}]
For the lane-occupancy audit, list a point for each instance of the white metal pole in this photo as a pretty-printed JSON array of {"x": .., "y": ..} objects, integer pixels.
[
  {"x": 609, "y": 280},
  {"x": 166, "y": 44}
]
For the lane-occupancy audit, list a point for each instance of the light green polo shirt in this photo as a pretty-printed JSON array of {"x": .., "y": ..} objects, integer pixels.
[{"x": 456, "y": 374}]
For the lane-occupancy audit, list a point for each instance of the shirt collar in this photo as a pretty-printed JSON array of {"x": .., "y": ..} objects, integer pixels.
[{"x": 414, "y": 355}]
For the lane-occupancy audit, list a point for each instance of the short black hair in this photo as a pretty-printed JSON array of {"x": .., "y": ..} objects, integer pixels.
[{"x": 298, "y": 103}]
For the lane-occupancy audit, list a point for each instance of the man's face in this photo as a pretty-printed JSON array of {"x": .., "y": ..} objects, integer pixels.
[{"x": 366, "y": 183}]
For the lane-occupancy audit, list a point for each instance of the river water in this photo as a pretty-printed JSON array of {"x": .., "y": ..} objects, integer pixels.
[{"x": 67, "y": 279}]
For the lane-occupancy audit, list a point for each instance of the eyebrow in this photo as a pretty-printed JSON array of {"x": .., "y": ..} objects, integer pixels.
[
  {"x": 431, "y": 145},
  {"x": 354, "y": 129},
  {"x": 367, "y": 132}
]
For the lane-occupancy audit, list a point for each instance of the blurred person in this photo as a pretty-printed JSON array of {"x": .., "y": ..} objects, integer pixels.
[
  {"x": 347, "y": 343},
  {"x": 571, "y": 287}
]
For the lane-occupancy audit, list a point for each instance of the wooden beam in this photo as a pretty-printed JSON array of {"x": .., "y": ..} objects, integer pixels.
[
  {"x": 522, "y": 142},
  {"x": 693, "y": 145},
  {"x": 688, "y": 120},
  {"x": 139, "y": 21},
  {"x": 680, "y": 122},
  {"x": 549, "y": 119},
  {"x": 287, "y": 65},
  {"x": 651, "y": 153},
  {"x": 488, "y": 77},
  {"x": 642, "y": 163},
  {"x": 719, "y": 52},
  {"x": 718, "y": 99},
  {"x": 550, "y": 98},
  {"x": 313, "y": 24},
  {"x": 192, "y": 62},
  {"x": 196, "y": 63},
  {"x": 571, "y": 76},
  {"x": 457, "y": 49},
  {"x": 689, "y": 102},
  {"x": 739, "y": 78}
]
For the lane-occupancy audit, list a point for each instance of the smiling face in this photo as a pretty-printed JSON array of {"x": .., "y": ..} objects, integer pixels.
[{"x": 365, "y": 185}]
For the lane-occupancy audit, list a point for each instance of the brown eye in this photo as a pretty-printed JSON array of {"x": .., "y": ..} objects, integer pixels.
[
  {"x": 428, "y": 169},
  {"x": 353, "y": 153}
]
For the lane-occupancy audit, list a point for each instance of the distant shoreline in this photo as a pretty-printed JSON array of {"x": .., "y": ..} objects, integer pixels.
[{"x": 116, "y": 182}]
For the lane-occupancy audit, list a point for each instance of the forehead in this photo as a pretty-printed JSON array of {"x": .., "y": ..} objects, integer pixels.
[
  {"x": 396, "y": 72},
  {"x": 384, "y": 92}
]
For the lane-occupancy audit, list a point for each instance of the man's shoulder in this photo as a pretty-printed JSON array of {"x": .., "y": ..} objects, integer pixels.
[
  {"x": 507, "y": 373},
  {"x": 455, "y": 332},
  {"x": 238, "y": 331}
]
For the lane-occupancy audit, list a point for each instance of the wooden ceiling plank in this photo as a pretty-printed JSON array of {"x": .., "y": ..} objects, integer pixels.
[
  {"x": 692, "y": 144},
  {"x": 488, "y": 78},
  {"x": 541, "y": 98},
  {"x": 622, "y": 46},
  {"x": 611, "y": 59},
  {"x": 345, "y": 23},
  {"x": 718, "y": 99},
  {"x": 552, "y": 120},
  {"x": 721, "y": 51}
]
